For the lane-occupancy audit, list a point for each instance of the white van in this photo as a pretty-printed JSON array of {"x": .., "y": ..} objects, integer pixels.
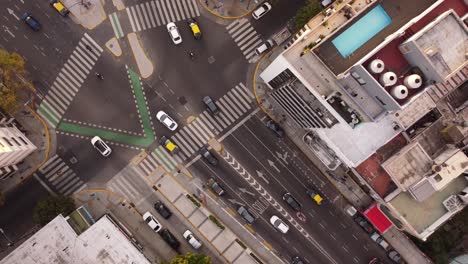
[
  {"x": 264, "y": 47},
  {"x": 380, "y": 240}
]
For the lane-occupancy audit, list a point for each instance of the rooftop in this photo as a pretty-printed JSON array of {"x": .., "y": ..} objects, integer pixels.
[
  {"x": 57, "y": 242},
  {"x": 400, "y": 11}
]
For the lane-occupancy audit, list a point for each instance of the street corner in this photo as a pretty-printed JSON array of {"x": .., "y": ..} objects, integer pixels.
[
  {"x": 228, "y": 9},
  {"x": 190, "y": 119},
  {"x": 119, "y": 4},
  {"x": 145, "y": 66},
  {"x": 114, "y": 47},
  {"x": 91, "y": 16},
  {"x": 216, "y": 145}
]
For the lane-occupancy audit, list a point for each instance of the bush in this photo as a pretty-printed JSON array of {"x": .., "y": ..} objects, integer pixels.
[
  {"x": 216, "y": 221},
  {"x": 191, "y": 258},
  {"x": 194, "y": 201},
  {"x": 48, "y": 208},
  {"x": 305, "y": 13}
]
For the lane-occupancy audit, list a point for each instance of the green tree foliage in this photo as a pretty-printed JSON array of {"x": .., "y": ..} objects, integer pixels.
[
  {"x": 49, "y": 207},
  {"x": 11, "y": 68},
  {"x": 304, "y": 14},
  {"x": 191, "y": 258}
]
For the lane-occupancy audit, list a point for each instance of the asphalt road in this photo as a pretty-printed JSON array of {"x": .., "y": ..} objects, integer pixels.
[{"x": 330, "y": 231}]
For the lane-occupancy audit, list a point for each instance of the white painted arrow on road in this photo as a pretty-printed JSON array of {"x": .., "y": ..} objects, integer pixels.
[
  {"x": 272, "y": 164},
  {"x": 11, "y": 12},
  {"x": 282, "y": 157},
  {"x": 234, "y": 201},
  {"x": 247, "y": 192},
  {"x": 260, "y": 174}
]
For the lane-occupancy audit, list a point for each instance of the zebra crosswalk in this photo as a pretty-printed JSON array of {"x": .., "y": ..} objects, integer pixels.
[
  {"x": 233, "y": 105},
  {"x": 156, "y": 159},
  {"x": 130, "y": 184},
  {"x": 160, "y": 12},
  {"x": 60, "y": 176},
  {"x": 245, "y": 37},
  {"x": 69, "y": 80}
]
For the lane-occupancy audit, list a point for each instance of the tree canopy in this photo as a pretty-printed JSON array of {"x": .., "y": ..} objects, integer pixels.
[
  {"x": 304, "y": 14},
  {"x": 191, "y": 258},
  {"x": 11, "y": 69},
  {"x": 48, "y": 208}
]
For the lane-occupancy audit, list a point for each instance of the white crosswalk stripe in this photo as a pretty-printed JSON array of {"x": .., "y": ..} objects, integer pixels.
[
  {"x": 69, "y": 80},
  {"x": 59, "y": 176},
  {"x": 158, "y": 158},
  {"x": 245, "y": 37},
  {"x": 186, "y": 148},
  {"x": 160, "y": 12}
]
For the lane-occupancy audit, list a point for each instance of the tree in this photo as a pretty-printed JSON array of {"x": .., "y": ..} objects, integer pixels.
[
  {"x": 304, "y": 14},
  {"x": 48, "y": 208},
  {"x": 11, "y": 81},
  {"x": 191, "y": 258}
]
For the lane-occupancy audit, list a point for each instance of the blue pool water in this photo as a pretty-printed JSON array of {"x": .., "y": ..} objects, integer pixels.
[{"x": 361, "y": 31}]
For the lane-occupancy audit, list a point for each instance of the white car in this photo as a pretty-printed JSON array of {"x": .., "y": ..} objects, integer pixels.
[
  {"x": 166, "y": 120},
  {"x": 279, "y": 224},
  {"x": 101, "y": 146},
  {"x": 261, "y": 10},
  {"x": 192, "y": 240},
  {"x": 152, "y": 222},
  {"x": 174, "y": 33}
]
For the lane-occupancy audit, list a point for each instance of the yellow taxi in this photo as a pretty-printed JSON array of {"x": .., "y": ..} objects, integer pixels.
[
  {"x": 195, "y": 28},
  {"x": 60, "y": 7},
  {"x": 169, "y": 145},
  {"x": 315, "y": 196}
]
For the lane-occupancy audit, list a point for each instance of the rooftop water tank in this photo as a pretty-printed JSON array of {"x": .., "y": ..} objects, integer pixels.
[
  {"x": 388, "y": 79},
  {"x": 413, "y": 81},
  {"x": 399, "y": 92},
  {"x": 376, "y": 66}
]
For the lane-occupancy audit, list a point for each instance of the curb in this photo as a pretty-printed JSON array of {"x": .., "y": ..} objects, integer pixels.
[{"x": 221, "y": 16}]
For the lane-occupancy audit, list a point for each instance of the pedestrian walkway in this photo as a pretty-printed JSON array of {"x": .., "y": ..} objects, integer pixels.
[
  {"x": 233, "y": 106},
  {"x": 156, "y": 13},
  {"x": 69, "y": 80},
  {"x": 156, "y": 159},
  {"x": 59, "y": 177},
  {"x": 245, "y": 37},
  {"x": 131, "y": 184}
]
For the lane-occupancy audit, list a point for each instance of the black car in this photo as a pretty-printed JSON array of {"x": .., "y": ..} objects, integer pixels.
[
  {"x": 210, "y": 105},
  {"x": 162, "y": 209},
  {"x": 297, "y": 260},
  {"x": 244, "y": 212},
  {"x": 215, "y": 187},
  {"x": 275, "y": 128},
  {"x": 31, "y": 21},
  {"x": 364, "y": 224},
  {"x": 170, "y": 239},
  {"x": 292, "y": 202},
  {"x": 208, "y": 156}
]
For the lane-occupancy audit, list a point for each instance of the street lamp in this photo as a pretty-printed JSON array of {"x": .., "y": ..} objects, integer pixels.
[{"x": 10, "y": 243}]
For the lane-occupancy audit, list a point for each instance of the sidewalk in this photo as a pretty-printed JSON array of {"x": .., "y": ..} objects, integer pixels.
[{"x": 229, "y": 8}]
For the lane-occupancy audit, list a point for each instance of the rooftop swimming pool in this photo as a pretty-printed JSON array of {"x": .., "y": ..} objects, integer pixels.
[{"x": 361, "y": 31}]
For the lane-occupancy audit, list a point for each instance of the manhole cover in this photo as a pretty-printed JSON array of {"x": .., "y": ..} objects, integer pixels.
[
  {"x": 211, "y": 59},
  {"x": 73, "y": 160},
  {"x": 182, "y": 100}
]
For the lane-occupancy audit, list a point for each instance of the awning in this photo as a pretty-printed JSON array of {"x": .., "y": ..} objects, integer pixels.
[{"x": 378, "y": 219}]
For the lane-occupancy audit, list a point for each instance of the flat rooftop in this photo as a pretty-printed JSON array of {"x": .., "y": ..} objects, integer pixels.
[
  {"x": 57, "y": 242},
  {"x": 421, "y": 215},
  {"x": 400, "y": 11}
]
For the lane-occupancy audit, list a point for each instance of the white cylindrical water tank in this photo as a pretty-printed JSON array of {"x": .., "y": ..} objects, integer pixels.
[
  {"x": 399, "y": 92},
  {"x": 388, "y": 79},
  {"x": 376, "y": 66},
  {"x": 413, "y": 81}
]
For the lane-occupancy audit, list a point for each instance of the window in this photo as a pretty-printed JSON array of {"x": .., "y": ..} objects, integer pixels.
[
  {"x": 7, "y": 141},
  {"x": 24, "y": 141},
  {"x": 16, "y": 141}
]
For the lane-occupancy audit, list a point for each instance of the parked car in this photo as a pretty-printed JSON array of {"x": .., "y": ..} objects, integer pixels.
[
  {"x": 244, "y": 212},
  {"x": 264, "y": 47},
  {"x": 162, "y": 209},
  {"x": 192, "y": 23},
  {"x": 206, "y": 154},
  {"x": 31, "y": 21},
  {"x": 275, "y": 128},
  {"x": 174, "y": 33},
  {"x": 166, "y": 120},
  {"x": 152, "y": 222},
  {"x": 351, "y": 211},
  {"x": 215, "y": 187},
  {"x": 315, "y": 195},
  {"x": 170, "y": 239},
  {"x": 395, "y": 257},
  {"x": 292, "y": 202},
  {"x": 211, "y": 105},
  {"x": 297, "y": 260},
  {"x": 380, "y": 240},
  {"x": 57, "y": 5},
  {"x": 261, "y": 10},
  {"x": 192, "y": 240},
  {"x": 364, "y": 224},
  {"x": 169, "y": 145},
  {"x": 101, "y": 146},
  {"x": 279, "y": 224}
]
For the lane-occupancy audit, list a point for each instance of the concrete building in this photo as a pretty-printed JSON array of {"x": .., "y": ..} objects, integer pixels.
[
  {"x": 14, "y": 146},
  {"x": 78, "y": 239},
  {"x": 386, "y": 94}
]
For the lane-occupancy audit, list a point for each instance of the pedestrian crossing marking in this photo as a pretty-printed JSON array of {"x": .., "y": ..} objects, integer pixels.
[
  {"x": 116, "y": 25},
  {"x": 181, "y": 142},
  {"x": 245, "y": 37},
  {"x": 200, "y": 130}
]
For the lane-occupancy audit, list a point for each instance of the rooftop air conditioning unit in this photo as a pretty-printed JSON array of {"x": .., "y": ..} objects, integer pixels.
[
  {"x": 388, "y": 79},
  {"x": 376, "y": 66},
  {"x": 413, "y": 81},
  {"x": 399, "y": 92}
]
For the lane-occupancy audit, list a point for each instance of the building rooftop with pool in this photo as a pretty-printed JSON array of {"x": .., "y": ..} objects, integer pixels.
[{"x": 385, "y": 95}]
